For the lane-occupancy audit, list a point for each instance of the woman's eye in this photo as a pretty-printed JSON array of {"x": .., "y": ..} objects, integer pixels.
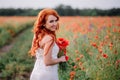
[{"x": 51, "y": 21}]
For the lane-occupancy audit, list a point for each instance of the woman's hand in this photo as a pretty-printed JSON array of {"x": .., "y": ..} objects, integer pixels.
[{"x": 62, "y": 59}]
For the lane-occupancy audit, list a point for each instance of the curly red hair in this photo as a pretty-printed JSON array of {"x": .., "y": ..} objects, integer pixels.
[{"x": 40, "y": 30}]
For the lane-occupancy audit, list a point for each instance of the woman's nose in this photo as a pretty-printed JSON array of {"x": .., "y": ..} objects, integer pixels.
[{"x": 55, "y": 23}]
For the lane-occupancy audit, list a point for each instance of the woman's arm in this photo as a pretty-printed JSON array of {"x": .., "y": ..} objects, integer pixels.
[{"x": 48, "y": 52}]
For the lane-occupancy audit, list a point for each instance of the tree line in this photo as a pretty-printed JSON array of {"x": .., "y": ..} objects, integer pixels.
[{"x": 62, "y": 10}]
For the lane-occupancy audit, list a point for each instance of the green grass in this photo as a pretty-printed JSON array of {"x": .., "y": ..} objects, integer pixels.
[
  {"x": 9, "y": 31},
  {"x": 17, "y": 64}
]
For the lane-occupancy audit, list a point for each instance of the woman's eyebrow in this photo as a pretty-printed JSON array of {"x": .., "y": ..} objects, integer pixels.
[{"x": 54, "y": 20}]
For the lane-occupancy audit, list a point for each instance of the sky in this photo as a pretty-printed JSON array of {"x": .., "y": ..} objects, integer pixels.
[{"x": 36, "y": 4}]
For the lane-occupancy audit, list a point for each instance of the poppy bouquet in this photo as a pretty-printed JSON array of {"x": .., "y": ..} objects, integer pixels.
[{"x": 63, "y": 43}]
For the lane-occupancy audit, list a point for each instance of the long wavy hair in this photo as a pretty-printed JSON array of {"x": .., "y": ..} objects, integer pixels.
[{"x": 39, "y": 29}]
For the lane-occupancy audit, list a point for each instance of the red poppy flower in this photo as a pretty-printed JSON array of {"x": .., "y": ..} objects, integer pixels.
[
  {"x": 94, "y": 45},
  {"x": 105, "y": 55},
  {"x": 66, "y": 57},
  {"x": 62, "y": 43}
]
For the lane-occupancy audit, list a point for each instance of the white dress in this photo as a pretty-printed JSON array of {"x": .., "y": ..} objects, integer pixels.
[{"x": 43, "y": 72}]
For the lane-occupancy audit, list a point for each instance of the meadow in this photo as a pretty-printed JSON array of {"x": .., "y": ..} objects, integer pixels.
[
  {"x": 10, "y": 26},
  {"x": 94, "y": 49}
]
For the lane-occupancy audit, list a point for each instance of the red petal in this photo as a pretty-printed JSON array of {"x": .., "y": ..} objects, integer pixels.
[{"x": 66, "y": 57}]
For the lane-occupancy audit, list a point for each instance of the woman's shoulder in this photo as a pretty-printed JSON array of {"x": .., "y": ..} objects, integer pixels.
[{"x": 47, "y": 38}]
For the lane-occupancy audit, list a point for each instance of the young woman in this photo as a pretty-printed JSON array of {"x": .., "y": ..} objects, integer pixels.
[{"x": 44, "y": 46}]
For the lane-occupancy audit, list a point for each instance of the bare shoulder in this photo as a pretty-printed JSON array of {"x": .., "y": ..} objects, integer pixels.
[{"x": 47, "y": 38}]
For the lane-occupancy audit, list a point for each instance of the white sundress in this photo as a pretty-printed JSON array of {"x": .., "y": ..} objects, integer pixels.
[{"x": 43, "y": 72}]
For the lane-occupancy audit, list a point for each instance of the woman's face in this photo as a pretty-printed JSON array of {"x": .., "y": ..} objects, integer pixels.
[{"x": 51, "y": 23}]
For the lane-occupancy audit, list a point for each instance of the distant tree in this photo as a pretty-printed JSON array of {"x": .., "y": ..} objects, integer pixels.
[
  {"x": 113, "y": 12},
  {"x": 60, "y": 9}
]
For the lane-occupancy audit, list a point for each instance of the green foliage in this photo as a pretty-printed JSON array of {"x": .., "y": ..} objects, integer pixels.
[
  {"x": 4, "y": 36},
  {"x": 63, "y": 10},
  {"x": 9, "y": 31},
  {"x": 17, "y": 64},
  {"x": 18, "y": 12}
]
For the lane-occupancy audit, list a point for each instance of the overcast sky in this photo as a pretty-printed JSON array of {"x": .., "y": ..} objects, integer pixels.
[{"x": 101, "y": 4}]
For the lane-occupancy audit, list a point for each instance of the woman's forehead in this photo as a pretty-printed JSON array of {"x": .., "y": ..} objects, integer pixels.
[{"x": 51, "y": 17}]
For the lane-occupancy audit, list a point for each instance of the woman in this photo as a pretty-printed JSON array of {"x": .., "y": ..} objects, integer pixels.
[{"x": 44, "y": 46}]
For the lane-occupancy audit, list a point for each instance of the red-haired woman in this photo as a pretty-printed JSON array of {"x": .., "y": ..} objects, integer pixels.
[{"x": 44, "y": 46}]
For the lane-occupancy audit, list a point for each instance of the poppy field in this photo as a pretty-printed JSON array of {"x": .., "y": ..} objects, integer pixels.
[{"x": 93, "y": 51}]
